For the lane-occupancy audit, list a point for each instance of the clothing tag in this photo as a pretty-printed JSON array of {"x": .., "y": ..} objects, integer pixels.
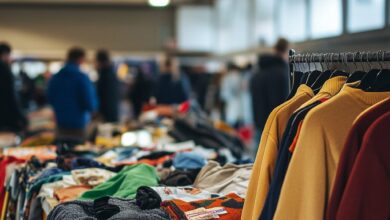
[{"x": 205, "y": 214}]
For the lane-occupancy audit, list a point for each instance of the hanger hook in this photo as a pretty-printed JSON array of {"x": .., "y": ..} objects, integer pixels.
[
  {"x": 368, "y": 60},
  {"x": 321, "y": 58},
  {"x": 353, "y": 59},
  {"x": 377, "y": 57}
]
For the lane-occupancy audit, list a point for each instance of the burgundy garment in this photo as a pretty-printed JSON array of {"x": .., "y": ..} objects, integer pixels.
[
  {"x": 367, "y": 193},
  {"x": 349, "y": 154}
]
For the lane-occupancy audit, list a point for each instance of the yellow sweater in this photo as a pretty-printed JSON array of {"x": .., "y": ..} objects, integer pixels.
[
  {"x": 330, "y": 88},
  {"x": 267, "y": 152},
  {"x": 309, "y": 178}
]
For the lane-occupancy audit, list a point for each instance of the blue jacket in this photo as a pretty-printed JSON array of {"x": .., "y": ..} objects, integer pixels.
[{"x": 73, "y": 97}]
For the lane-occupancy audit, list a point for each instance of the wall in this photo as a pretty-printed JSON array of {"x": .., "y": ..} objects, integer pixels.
[{"x": 50, "y": 30}]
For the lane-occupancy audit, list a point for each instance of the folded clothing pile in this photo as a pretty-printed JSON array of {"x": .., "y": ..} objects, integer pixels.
[{"x": 105, "y": 208}]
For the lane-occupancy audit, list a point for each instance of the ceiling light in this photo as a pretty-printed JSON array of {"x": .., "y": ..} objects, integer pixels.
[{"x": 159, "y": 3}]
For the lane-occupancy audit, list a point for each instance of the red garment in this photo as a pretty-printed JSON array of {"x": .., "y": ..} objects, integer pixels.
[
  {"x": 367, "y": 193},
  {"x": 350, "y": 152},
  {"x": 5, "y": 161}
]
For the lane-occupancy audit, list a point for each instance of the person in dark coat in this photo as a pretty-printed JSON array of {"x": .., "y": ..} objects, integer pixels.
[
  {"x": 141, "y": 91},
  {"x": 107, "y": 88},
  {"x": 11, "y": 115},
  {"x": 172, "y": 86},
  {"x": 270, "y": 84}
]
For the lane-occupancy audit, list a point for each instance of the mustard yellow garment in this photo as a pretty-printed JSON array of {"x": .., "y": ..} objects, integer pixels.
[
  {"x": 267, "y": 152},
  {"x": 330, "y": 88},
  {"x": 309, "y": 178}
]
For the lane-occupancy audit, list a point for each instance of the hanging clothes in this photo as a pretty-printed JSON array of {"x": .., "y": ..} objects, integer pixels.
[
  {"x": 328, "y": 90},
  {"x": 351, "y": 150},
  {"x": 304, "y": 194},
  {"x": 267, "y": 152},
  {"x": 367, "y": 193}
]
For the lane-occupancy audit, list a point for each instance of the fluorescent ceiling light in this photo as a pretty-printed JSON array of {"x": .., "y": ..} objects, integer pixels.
[{"x": 159, "y": 3}]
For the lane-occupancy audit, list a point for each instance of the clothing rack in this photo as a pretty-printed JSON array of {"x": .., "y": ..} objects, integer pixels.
[{"x": 344, "y": 57}]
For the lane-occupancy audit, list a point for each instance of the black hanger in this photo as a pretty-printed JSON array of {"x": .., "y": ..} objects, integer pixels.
[
  {"x": 369, "y": 78},
  {"x": 382, "y": 80},
  {"x": 296, "y": 79},
  {"x": 358, "y": 74},
  {"x": 338, "y": 72},
  {"x": 321, "y": 79},
  {"x": 312, "y": 75}
]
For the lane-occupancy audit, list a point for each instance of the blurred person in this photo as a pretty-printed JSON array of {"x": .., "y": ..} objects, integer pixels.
[
  {"x": 11, "y": 115},
  {"x": 172, "y": 86},
  {"x": 246, "y": 100},
  {"x": 107, "y": 87},
  {"x": 231, "y": 95},
  {"x": 27, "y": 90},
  {"x": 270, "y": 84},
  {"x": 41, "y": 82},
  {"x": 141, "y": 91},
  {"x": 73, "y": 98}
]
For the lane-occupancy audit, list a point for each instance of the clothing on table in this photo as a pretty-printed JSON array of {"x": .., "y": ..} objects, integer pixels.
[
  {"x": 267, "y": 152},
  {"x": 180, "y": 178},
  {"x": 367, "y": 193},
  {"x": 43, "y": 153},
  {"x": 73, "y": 97},
  {"x": 350, "y": 151},
  {"x": 107, "y": 208},
  {"x": 151, "y": 197},
  {"x": 304, "y": 194},
  {"x": 91, "y": 176},
  {"x": 125, "y": 183},
  {"x": 232, "y": 205},
  {"x": 4, "y": 162},
  {"x": 330, "y": 88},
  {"x": 224, "y": 179},
  {"x": 70, "y": 193},
  {"x": 188, "y": 160}
]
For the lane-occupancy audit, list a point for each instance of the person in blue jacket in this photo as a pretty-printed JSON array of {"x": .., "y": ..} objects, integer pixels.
[{"x": 73, "y": 98}]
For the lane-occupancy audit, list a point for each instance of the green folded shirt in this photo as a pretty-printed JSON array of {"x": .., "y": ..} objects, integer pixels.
[{"x": 125, "y": 183}]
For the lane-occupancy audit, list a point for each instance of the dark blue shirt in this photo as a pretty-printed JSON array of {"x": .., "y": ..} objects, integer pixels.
[{"x": 72, "y": 96}]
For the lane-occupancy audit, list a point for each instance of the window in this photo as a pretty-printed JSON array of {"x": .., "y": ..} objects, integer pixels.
[
  {"x": 364, "y": 15},
  {"x": 265, "y": 30},
  {"x": 292, "y": 19},
  {"x": 233, "y": 25},
  {"x": 195, "y": 28},
  {"x": 326, "y": 18}
]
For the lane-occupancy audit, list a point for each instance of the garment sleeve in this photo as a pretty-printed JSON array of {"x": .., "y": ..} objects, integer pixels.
[
  {"x": 88, "y": 95},
  {"x": 303, "y": 194}
]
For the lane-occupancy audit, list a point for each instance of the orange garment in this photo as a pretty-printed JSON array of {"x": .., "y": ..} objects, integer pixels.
[
  {"x": 155, "y": 162},
  {"x": 231, "y": 203},
  {"x": 294, "y": 143},
  {"x": 70, "y": 193},
  {"x": 43, "y": 153}
]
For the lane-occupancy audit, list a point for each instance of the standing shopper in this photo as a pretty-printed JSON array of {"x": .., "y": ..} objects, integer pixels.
[
  {"x": 107, "y": 87},
  {"x": 11, "y": 116},
  {"x": 172, "y": 87},
  {"x": 270, "y": 85},
  {"x": 73, "y": 97}
]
